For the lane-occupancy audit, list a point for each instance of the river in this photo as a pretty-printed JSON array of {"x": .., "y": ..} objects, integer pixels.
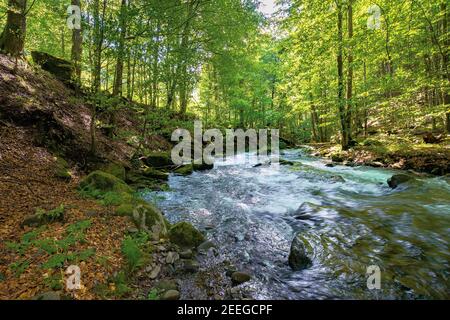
[{"x": 349, "y": 224}]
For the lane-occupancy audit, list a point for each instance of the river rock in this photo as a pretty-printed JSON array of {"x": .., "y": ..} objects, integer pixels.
[
  {"x": 239, "y": 277},
  {"x": 186, "y": 254},
  {"x": 158, "y": 160},
  {"x": 172, "y": 257},
  {"x": 166, "y": 285},
  {"x": 171, "y": 295},
  {"x": 337, "y": 179},
  {"x": 185, "y": 235},
  {"x": 203, "y": 167},
  {"x": 286, "y": 162},
  {"x": 48, "y": 296},
  {"x": 398, "y": 179},
  {"x": 298, "y": 257},
  {"x": 155, "y": 272},
  {"x": 191, "y": 266},
  {"x": 206, "y": 246},
  {"x": 330, "y": 165}
]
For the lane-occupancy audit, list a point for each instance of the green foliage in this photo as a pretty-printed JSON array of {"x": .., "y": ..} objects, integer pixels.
[
  {"x": 52, "y": 215},
  {"x": 154, "y": 294},
  {"x": 54, "y": 281},
  {"x": 132, "y": 253},
  {"x": 59, "y": 251},
  {"x": 19, "y": 267}
]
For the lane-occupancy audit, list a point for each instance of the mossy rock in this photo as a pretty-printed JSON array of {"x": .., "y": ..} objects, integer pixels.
[
  {"x": 286, "y": 162},
  {"x": 62, "y": 169},
  {"x": 185, "y": 235},
  {"x": 104, "y": 182},
  {"x": 145, "y": 216},
  {"x": 203, "y": 167},
  {"x": 155, "y": 174},
  {"x": 62, "y": 69},
  {"x": 42, "y": 217},
  {"x": 369, "y": 142},
  {"x": 158, "y": 160},
  {"x": 185, "y": 170},
  {"x": 116, "y": 170},
  {"x": 337, "y": 157},
  {"x": 150, "y": 180},
  {"x": 399, "y": 179}
]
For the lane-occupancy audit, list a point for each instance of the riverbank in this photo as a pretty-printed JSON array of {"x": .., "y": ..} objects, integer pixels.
[
  {"x": 63, "y": 205},
  {"x": 394, "y": 152}
]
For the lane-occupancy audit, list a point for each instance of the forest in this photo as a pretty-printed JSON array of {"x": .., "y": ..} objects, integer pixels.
[{"x": 91, "y": 91}]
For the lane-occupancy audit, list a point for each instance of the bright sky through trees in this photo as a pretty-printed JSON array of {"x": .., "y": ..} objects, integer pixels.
[{"x": 268, "y": 7}]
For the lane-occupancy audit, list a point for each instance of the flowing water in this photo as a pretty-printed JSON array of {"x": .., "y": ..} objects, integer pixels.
[{"x": 253, "y": 213}]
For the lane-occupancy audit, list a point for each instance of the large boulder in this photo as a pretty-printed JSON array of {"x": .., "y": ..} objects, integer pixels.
[
  {"x": 399, "y": 179},
  {"x": 299, "y": 257},
  {"x": 203, "y": 167},
  {"x": 185, "y": 235},
  {"x": 158, "y": 160},
  {"x": 155, "y": 174},
  {"x": 116, "y": 169},
  {"x": 99, "y": 181},
  {"x": 146, "y": 217},
  {"x": 185, "y": 170},
  {"x": 62, "y": 69}
]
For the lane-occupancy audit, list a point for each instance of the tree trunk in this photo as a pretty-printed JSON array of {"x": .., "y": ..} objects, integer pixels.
[
  {"x": 12, "y": 39},
  {"x": 340, "y": 67},
  {"x": 445, "y": 60},
  {"x": 77, "y": 46},
  {"x": 117, "y": 89},
  {"x": 348, "y": 112}
]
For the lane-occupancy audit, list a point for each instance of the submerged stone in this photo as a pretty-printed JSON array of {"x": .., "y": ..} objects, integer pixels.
[
  {"x": 398, "y": 179},
  {"x": 240, "y": 277},
  {"x": 298, "y": 257}
]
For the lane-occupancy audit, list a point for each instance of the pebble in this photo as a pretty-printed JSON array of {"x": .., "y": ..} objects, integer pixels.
[
  {"x": 171, "y": 295},
  {"x": 155, "y": 272},
  {"x": 240, "y": 277},
  {"x": 172, "y": 257},
  {"x": 191, "y": 266},
  {"x": 186, "y": 254}
]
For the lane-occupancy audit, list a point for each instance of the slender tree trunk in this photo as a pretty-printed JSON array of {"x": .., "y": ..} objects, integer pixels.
[
  {"x": 445, "y": 66},
  {"x": 12, "y": 39},
  {"x": 348, "y": 112},
  {"x": 340, "y": 67},
  {"x": 118, "y": 82},
  {"x": 77, "y": 47}
]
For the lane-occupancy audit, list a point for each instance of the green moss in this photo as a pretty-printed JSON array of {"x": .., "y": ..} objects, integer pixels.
[
  {"x": 116, "y": 170},
  {"x": 125, "y": 209},
  {"x": 185, "y": 170},
  {"x": 61, "y": 169},
  {"x": 185, "y": 235},
  {"x": 99, "y": 181},
  {"x": 155, "y": 174},
  {"x": 203, "y": 167},
  {"x": 159, "y": 160},
  {"x": 115, "y": 198}
]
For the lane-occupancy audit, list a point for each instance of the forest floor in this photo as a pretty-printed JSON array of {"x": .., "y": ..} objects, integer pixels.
[
  {"x": 401, "y": 151},
  {"x": 44, "y": 153}
]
